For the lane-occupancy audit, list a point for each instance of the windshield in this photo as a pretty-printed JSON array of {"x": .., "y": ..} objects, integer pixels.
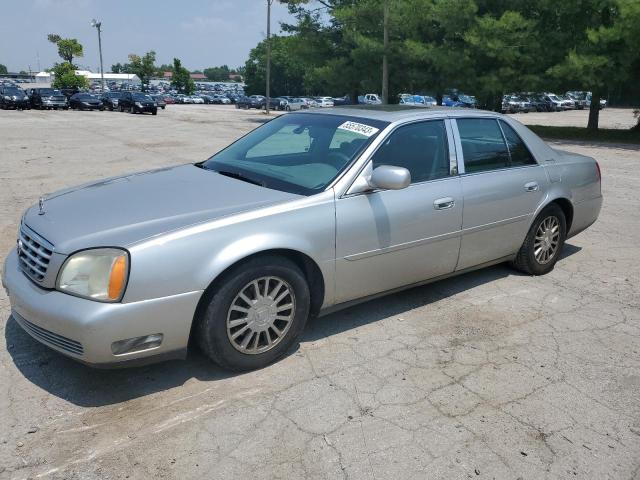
[
  {"x": 48, "y": 91},
  {"x": 141, "y": 96},
  {"x": 114, "y": 95},
  {"x": 13, "y": 91},
  {"x": 84, "y": 96},
  {"x": 298, "y": 153}
]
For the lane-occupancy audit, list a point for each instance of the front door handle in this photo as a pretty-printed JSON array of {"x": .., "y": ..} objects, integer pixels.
[
  {"x": 444, "y": 203},
  {"x": 531, "y": 186}
]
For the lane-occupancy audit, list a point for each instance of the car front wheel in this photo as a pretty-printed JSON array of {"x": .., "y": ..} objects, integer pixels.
[
  {"x": 543, "y": 244},
  {"x": 254, "y": 314}
]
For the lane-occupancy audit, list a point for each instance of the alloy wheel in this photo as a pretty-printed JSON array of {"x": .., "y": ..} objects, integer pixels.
[
  {"x": 547, "y": 240},
  {"x": 261, "y": 315}
]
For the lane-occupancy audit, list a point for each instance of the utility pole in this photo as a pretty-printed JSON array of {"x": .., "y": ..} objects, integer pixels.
[
  {"x": 385, "y": 60},
  {"x": 98, "y": 25},
  {"x": 266, "y": 106}
]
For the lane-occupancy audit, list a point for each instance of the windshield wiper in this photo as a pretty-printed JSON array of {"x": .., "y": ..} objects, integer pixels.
[{"x": 240, "y": 176}]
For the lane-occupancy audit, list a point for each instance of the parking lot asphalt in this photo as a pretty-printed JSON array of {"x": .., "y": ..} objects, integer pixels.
[{"x": 492, "y": 374}]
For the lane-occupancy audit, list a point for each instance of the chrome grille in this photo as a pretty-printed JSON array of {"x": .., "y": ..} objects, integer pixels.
[
  {"x": 48, "y": 337},
  {"x": 34, "y": 255}
]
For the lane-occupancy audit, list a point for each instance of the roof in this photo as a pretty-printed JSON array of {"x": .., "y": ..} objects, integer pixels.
[
  {"x": 198, "y": 76},
  {"x": 393, "y": 113}
]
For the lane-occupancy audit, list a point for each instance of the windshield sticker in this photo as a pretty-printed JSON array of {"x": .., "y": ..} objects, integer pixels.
[{"x": 360, "y": 128}]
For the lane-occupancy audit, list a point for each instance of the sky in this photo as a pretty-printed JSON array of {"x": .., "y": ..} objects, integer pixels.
[{"x": 202, "y": 33}]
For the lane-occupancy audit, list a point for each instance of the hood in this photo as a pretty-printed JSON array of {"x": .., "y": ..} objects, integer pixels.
[{"x": 123, "y": 210}]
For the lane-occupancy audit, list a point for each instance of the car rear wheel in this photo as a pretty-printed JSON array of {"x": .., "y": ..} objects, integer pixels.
[
  {"x": 255, "y": 313},
  {"x": 543, "y": 244},
  {"x": 154, "y": 111}
]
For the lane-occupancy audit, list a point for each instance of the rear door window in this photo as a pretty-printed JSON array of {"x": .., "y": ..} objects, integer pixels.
[
  {"x": 520, "y": 155},
  {"x": 483, "y": 145}
]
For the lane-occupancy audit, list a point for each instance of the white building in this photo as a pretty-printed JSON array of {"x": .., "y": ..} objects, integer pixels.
[{"x": 46, "y": 77}]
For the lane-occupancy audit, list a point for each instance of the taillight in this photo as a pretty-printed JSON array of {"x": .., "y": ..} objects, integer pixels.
[{"x": 599, "y": 173}]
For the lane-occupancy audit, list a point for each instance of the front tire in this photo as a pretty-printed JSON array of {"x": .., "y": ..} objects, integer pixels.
[
  {"x": 543, "y": 245},
  {"x": 254, "y": 314}
]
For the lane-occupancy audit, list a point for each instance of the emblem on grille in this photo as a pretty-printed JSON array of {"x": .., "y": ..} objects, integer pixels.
[
  {"x": 41, "y": 206},
  {"x": 19, "y": 248}
]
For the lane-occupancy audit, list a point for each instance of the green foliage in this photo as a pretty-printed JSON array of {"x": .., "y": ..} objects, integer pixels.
[
  {"x": 181, "y": 79},
  {"x": 143, "y": 66},
  {"x": 287, "y": 72},
  {"x": 217, "y": 74},
  {"x": 120, "y": 68},
  {"x": 482, "y": 47},
  {"x": 68, "y": 48},
  {"x": 65, "y": 77},
  {"x": 3, "y": 69}
]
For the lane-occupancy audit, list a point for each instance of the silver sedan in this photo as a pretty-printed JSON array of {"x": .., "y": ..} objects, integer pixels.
[{"x": 306, "y": 214}]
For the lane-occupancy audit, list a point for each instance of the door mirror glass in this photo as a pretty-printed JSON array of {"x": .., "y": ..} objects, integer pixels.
[{"x": 388, "y": 177}]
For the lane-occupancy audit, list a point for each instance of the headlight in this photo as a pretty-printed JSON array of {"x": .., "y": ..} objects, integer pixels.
[
  {"x": 7, "y": 97},
  {"x": 138, "y": 104},
  {"x": 98, "y": 274}
]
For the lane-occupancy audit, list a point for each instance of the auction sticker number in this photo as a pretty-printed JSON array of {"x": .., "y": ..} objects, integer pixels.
[{"x": 360, "y": 128}]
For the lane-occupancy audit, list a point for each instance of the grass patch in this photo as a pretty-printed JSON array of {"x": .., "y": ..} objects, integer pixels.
[{"x": 582, "y": 134}]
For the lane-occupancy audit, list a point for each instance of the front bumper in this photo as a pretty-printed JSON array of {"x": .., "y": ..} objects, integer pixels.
[
  {"x": 54, "y": 103},
  {"x": 17, "y": 103},
  {"x": 84, "y": 329}
]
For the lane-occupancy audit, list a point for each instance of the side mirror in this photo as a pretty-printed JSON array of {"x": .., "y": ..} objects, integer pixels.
[{"x": 388, "y": 177}]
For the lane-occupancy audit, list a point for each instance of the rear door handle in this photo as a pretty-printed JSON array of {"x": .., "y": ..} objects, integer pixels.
[
  {"x": 444, "y": 203},
  {"x": 531, "y": 186}
]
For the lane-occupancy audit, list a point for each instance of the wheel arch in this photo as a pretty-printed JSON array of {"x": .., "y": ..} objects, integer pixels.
[
  {"x": 567, "y": 208},
  {"x": 308, "y": 266}
]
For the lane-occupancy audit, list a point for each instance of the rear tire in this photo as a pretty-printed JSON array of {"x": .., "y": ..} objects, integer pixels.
[
  {"x": 543, "y": 245},
  {"x": 260, "y": 327}
]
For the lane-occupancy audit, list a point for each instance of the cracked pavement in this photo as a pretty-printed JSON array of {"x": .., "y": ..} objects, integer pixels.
[{"x": 491, "y": 374}]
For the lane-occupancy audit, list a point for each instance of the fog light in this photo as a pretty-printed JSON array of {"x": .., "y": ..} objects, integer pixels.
[{"x": 137, "y": 344}]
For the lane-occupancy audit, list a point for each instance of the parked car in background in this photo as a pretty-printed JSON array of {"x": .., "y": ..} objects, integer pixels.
[
  {"x": 277, "y": 103},
  {"x": 510, "y": 104},
  {"x": 85, "y": 101},
  {"x": 47, "y": 98},
  {"x": 412, "y": 100},
  {"x": 567, "y": 103},
  {"x": 450, "y": 101},
  {"x": 310, "y": 102},
  {"x": 579, "y": 98},
  {"x": 468, "y": 101},
  {"x": 110, "y": 100},
  {"x": 197, "y": 99},
  {"x": 554, "y": 102},
  {"x": 538, "y": 103},
  {"x": 14, "y": 97},
  {"x": 346, "y": 100},
  {"x": 168, "y": 99},
  {"x": 137, "y": 102},
  {"x": 294, "y": 104},
  {"x": 324, "y": 102},
  {"x": 221, "y": 99},
  {"x": 159, "y": 99},
  {"x": 237, "y": 252},
  {"x": 370, "y": 99},
  {"x": 253, "y": 101}
]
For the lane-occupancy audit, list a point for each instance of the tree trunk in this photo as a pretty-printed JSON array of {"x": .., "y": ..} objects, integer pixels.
[{"x": 594, "y": 112}]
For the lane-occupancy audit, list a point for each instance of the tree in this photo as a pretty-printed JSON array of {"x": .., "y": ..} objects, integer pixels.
[
  {"x": 120, "y": 68},
  {"x": 181, "y": 79},
  {"x": 65, "y": 77},
  {"x": 144, "y": 67},
  {"x": 68, "y": 48},
  {"x": 217, "y": 74},
  {"x": 3, "y": 69}
]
